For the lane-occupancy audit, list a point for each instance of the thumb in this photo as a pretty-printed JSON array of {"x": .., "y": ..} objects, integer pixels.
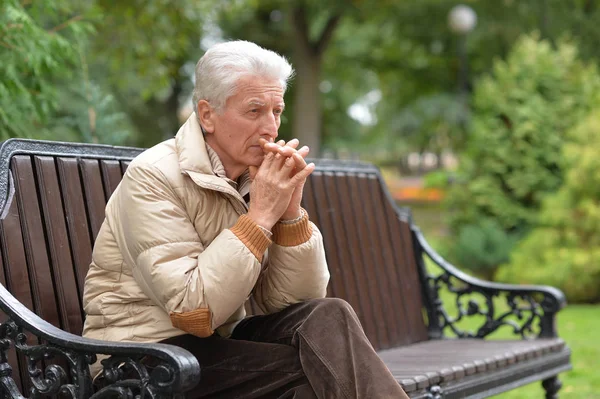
[{"x": 252, "y": 172}]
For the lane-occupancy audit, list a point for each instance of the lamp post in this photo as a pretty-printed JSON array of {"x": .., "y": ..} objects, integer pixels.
[{"x": 461, "y": 21}]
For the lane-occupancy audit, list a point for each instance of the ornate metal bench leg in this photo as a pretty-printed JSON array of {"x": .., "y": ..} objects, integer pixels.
[{"x": 552, "y": 385}]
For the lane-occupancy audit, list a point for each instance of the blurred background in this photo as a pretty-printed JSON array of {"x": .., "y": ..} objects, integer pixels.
[{"x": 483, "y": 115}]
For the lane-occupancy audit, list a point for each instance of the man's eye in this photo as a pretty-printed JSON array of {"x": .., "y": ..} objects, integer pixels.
[
  {"x": 254, "y": 110},
  {"x": 278, "y": 111}
]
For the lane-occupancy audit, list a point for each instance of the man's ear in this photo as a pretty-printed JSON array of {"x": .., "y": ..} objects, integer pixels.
[{"x": 206, "y": 116}]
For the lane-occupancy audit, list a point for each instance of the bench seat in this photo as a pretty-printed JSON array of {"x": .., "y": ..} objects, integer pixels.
[{"x": 462, "y": 366}]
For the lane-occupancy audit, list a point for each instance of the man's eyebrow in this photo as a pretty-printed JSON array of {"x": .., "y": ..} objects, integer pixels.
[
  {"x": 256, "y": 102},
  {"x": 259, "y": 103}
]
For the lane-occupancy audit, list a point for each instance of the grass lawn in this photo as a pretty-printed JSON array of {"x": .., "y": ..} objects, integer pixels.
[{"x": 578, "y": 325}]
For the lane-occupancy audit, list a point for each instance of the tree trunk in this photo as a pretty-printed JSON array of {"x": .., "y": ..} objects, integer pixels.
[
  {"x": 308, "y": 55},
  {"x": 307, "y": 120}
]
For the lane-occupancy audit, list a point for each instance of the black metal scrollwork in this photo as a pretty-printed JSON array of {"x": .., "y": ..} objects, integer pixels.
[
  {"x": 522, "y": 316},
  {"x": 65, "y": 373},
  {"x": 435, "y": 392},
  {"x": 529, "y": 311}
]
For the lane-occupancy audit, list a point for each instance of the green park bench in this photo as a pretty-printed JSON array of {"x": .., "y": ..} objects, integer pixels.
[{"x": 52, "y": 205}]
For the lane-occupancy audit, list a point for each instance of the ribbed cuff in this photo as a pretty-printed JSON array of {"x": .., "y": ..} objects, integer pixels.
[
  {"x": 197, "y": 322},
  {"x": 252, "y": 236},
  {"x": 290, "y": 235}
]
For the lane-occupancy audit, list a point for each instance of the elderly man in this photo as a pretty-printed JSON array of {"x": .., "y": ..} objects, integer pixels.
[{"x": 202, "y": 222}]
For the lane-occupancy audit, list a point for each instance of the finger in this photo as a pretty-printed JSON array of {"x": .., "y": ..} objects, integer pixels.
[
  {"x": 299, "y": 161},
  {"x": 278, "y": 160},
  {"x": 268, "y": 161},
  {"x": 301, "y": 176},
  {"x": 286, "y": 151},
  {"x": 293, "y": 143},
  {"x": 304, "y": 151},
  {"x": 287, "y": 167},
  {"x": 262, "y": 142},
  {"x": 281, "y": 143},
  {"x": 272, "y": 147}
]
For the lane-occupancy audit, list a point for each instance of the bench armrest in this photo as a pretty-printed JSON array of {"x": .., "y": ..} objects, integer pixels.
[
  {"x": 174, "y": 370},
  {"x": 520, "y": 307}
]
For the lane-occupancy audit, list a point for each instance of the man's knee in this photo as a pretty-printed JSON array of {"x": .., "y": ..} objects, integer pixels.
[{"x": 330, "y": 309}]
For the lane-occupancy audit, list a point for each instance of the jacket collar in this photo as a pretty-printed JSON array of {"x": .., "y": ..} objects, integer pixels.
[{"x": 202, "y": 164}]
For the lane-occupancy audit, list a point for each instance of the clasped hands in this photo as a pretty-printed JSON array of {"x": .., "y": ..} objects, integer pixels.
[{"x": 278, "y": 183}]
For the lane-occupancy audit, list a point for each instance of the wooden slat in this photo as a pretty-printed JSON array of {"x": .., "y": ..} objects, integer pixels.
[
  {"x": 124, "y": 166},
  {"x": 373, "y": 295},
  {"x": 325, "y": 211},
  {"x": 413, "y": 291},
  {"x": 93, "y": 189},
  {"x": 399, "y": 232},
  {"x": 44, "y": 287},
  {"x": 111, "y": 175},
  {"x": 40, "y": 275},
  {"x": 77, "y": 220},
  {"x": 47, "y": 297},
  {"x": 309, "y": 202},
  {"x": 365, "y": 307},
  {"x": 404, "y": 264},
  {"x": 392, "y": 275},
  {"x": 17, "y": 280},
  {"x": 351, "y": 292},
  {"x": 65, "y": 281},
  {"x": 380, "y": 269},
  {"x": 372, "y": 260},
  {"x": 11, "y": 353}
]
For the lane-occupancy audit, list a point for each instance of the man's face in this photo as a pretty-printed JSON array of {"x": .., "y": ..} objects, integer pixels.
[{"x": 253, "y": 112}]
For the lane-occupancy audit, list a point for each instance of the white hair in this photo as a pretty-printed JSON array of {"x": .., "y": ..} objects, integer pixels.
[{"x": 221, "y": 67}]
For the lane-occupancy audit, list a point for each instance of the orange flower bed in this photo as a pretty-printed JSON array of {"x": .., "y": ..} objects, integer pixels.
[{"x": 417, "y": 194}]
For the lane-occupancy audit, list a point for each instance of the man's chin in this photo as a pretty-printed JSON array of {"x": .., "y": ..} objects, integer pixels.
[
  {"x": 256, "y": 156},
  {"x": 256, "y": 161}
]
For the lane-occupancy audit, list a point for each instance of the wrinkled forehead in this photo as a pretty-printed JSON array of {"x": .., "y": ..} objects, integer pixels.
[{"x": 258, "y": 91}]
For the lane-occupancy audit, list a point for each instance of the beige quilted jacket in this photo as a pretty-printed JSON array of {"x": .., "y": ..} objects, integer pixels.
[{"x": 176, "y": 253}]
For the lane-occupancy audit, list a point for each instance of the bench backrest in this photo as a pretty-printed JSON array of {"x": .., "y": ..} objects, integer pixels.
[{"x": 53, "y": 198}]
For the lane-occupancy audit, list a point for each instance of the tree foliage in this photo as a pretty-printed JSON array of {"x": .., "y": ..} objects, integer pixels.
[
  {"x": 521, "y": 114},
  {"x": 564, "y": 250},
  {"x": 38, "y": 46},
  {"x": 144, "y": 54},
  {"x": 390, "y": 58}
]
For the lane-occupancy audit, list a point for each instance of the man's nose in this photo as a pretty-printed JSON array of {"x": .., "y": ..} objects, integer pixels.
[{"x": 270, "y": 126}]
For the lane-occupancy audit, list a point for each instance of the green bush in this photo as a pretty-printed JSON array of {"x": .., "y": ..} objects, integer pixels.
[
  {"x": 521, "y": 113},
  {"x": 565, "y": 250},
  {"x": 482, "y": 247},
  {"x": 438, "y": 179}
]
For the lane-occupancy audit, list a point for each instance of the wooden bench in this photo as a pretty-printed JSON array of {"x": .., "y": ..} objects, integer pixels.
[{"x": 52, "y": 204}]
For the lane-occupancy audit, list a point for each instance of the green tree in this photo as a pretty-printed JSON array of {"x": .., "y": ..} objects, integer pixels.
[
  {"x": 564, "y": 250},
  {"x": 521, "y": 113},
  {"x": 302, "y": 30},
  {"x": 38, "y": 46},
  {"x": 144, "y": 54}
]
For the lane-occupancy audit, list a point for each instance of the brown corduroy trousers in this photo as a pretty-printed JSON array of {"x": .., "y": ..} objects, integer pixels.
[{"x": 313, "y": 349}]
